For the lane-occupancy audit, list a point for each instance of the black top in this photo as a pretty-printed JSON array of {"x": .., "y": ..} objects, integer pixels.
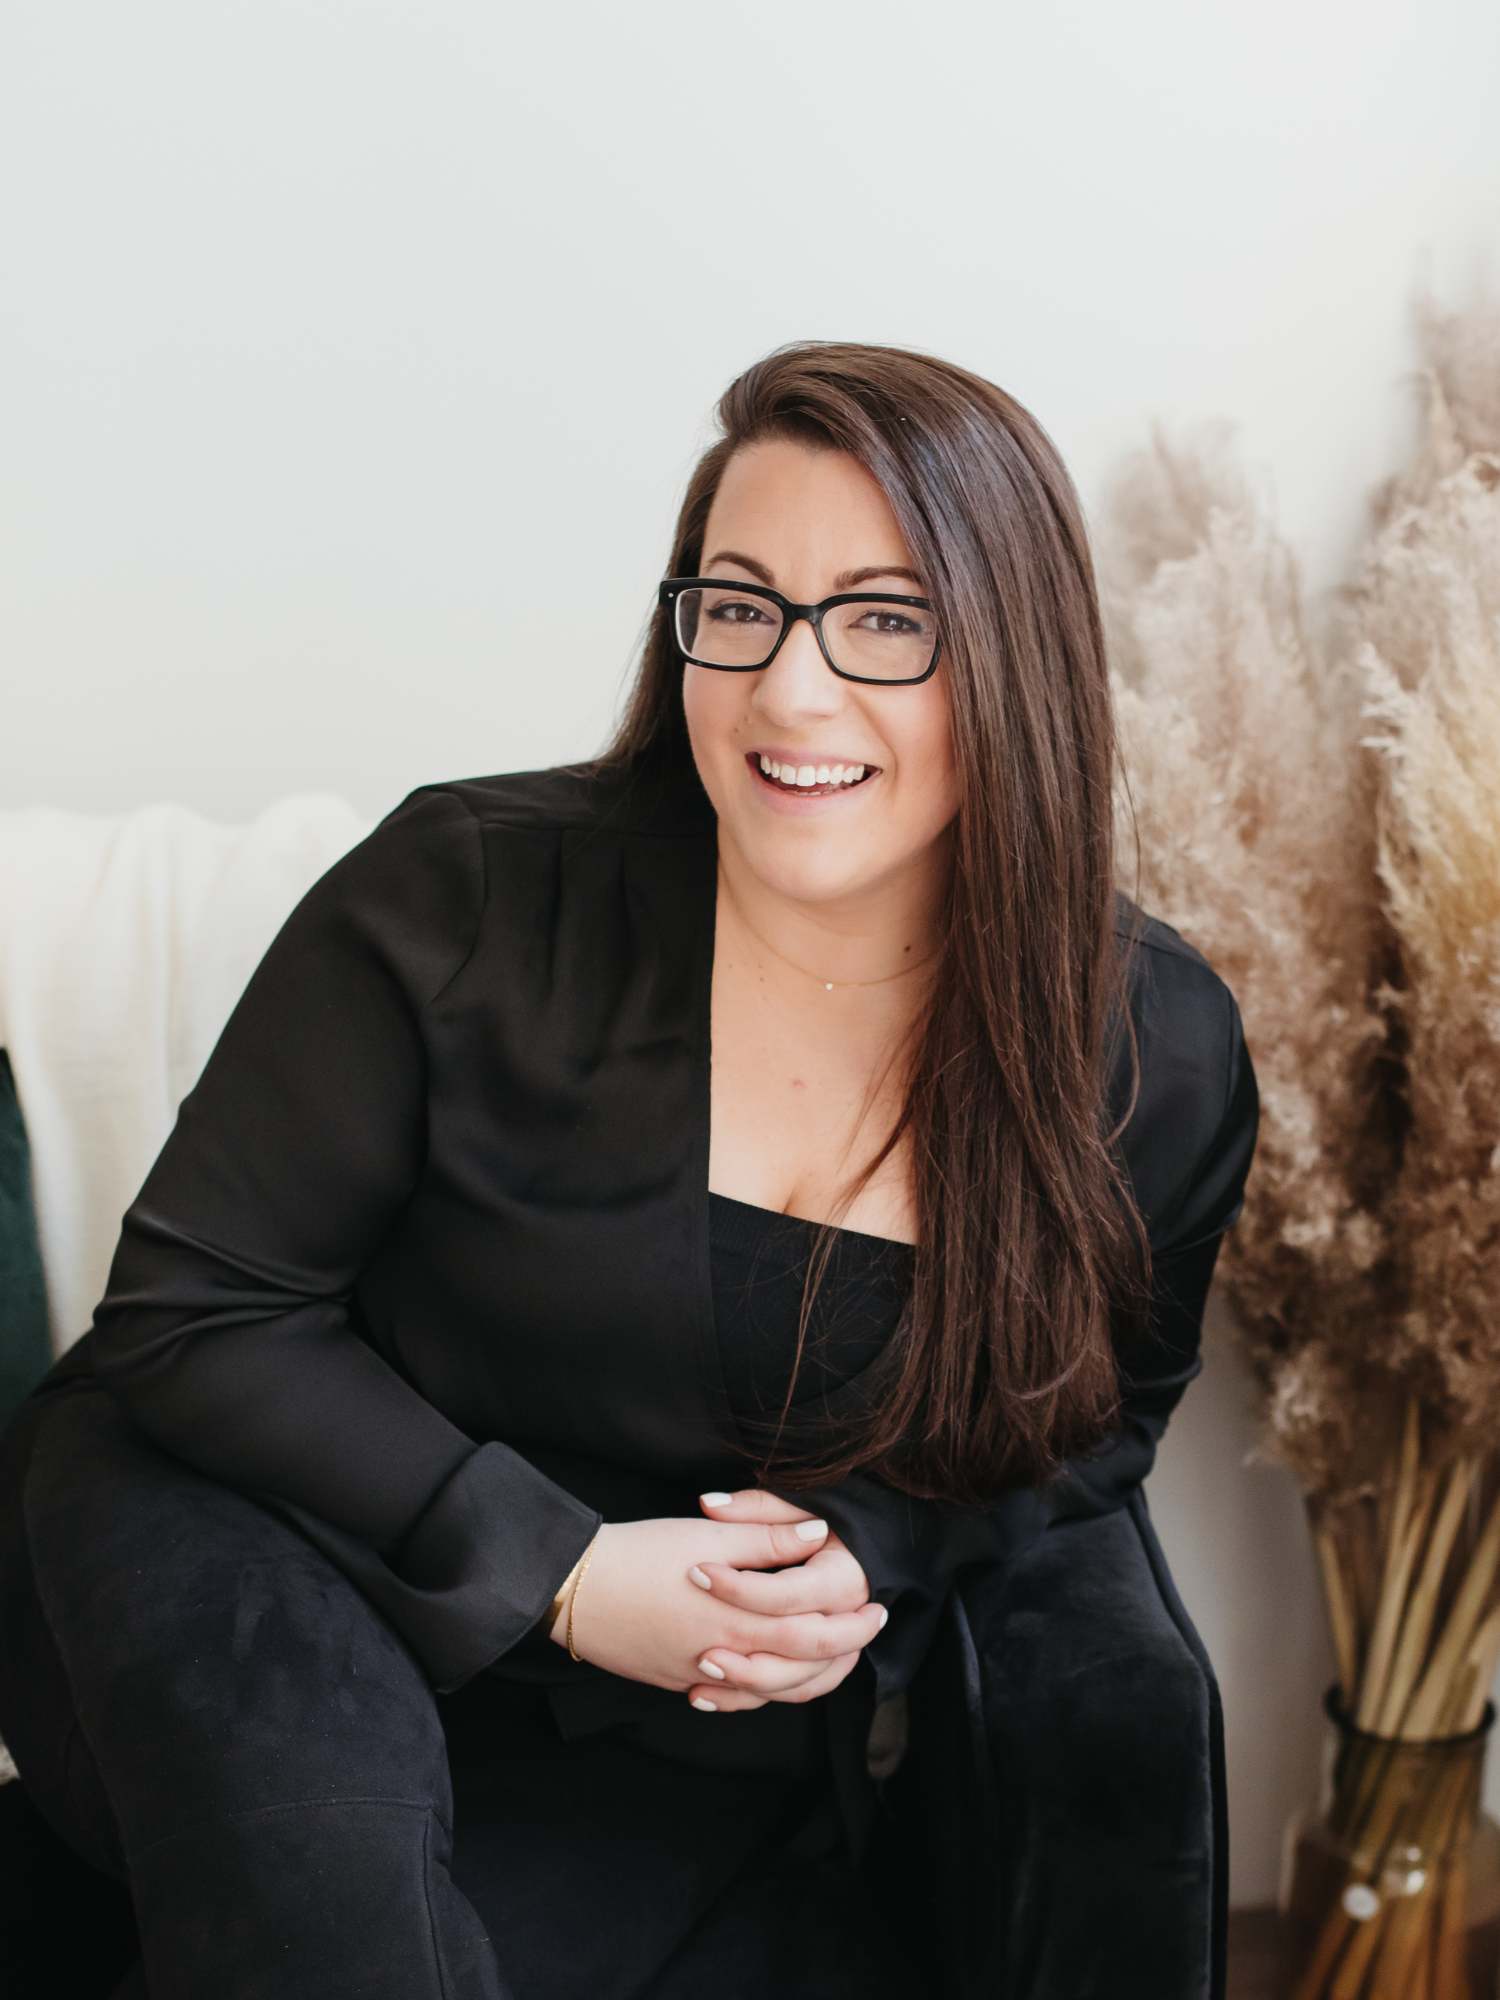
[
  {"x": 424, "y": 1263},
  {"x": 759, "y": 1264}
]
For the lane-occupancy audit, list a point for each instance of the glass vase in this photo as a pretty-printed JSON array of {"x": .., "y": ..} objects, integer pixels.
[{"x": 1390, "y": 1885}]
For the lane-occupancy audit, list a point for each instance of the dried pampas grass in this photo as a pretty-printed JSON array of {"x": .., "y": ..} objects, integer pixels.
[
  {"x": 1424, "y": 627},
  {"x": 1255, "y": 838},
  {"x": 1327, "y": 830},
  {"x": 1325, "y": 825}
]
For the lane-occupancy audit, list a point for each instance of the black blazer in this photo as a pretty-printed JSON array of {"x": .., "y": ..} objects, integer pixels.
[{"x": 423, "y": 1264}]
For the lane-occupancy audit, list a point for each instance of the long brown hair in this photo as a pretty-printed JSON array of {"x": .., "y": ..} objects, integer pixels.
[{"x": 1030, "y": 1246}]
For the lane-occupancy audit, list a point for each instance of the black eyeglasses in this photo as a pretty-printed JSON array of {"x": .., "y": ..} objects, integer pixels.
[{"x": 865, "y": 635}]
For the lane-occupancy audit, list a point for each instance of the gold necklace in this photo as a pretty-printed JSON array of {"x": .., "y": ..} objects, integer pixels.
[{"x": 828, "y": 985}]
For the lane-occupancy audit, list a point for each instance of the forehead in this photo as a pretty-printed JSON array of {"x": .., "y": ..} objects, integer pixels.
[{"x": 804, "y": 516}]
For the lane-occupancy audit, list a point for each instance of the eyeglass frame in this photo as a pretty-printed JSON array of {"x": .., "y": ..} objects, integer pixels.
[{"x": 671, "y": 587}]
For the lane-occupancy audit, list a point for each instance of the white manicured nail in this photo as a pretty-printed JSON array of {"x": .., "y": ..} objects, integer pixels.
[
  {"x": 885, "y": 1612},
  {"x": 811, "y": 1530},
  {"x": 702, "y": 1701},
  {"x": 701, "y": 1578},
  {"x": 716, "y": 1499},
  {"x": 713, "y": 1672}
]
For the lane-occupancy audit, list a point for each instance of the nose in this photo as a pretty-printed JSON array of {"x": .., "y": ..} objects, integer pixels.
[{"x": 799, "y": 681}]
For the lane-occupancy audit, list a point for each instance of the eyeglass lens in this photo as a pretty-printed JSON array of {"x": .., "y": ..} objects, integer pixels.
[{"x": 879, "y": 641}]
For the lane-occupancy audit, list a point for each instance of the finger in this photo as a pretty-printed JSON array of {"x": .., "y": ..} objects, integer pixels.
[
  {"x": 752, "y": 1503},
  {"x": 770, "y": 1544},
  {"x": 830, "y": 1676},
  {"x": 729, "y": 1699},
  {"x": 830, "y": 1579},
  {"x": 799, "y": 1641},
  {"x": 789, "y": 1530}
]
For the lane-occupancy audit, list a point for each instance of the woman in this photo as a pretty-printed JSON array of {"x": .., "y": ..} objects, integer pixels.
[{"x": 472, "y": 1273}]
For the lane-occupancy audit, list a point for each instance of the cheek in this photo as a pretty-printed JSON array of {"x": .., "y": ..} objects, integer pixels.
[
  {"x": 690, "y": 704},
  {"x": 928, "y": 795},
  {"x": 699, "y": 723},
  {"x": 709, "y": 705},
  {"x": 710, "y": 710},
  {"x": 924, "y": 747}
]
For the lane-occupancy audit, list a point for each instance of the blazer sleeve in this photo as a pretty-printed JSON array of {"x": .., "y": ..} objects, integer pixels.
[
  {"x": 912, "y": 1550},
  {"x": 225, "y": 1330}
]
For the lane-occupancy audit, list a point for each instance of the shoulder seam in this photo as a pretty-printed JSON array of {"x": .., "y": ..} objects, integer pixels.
[
  {"x": 1181, "y": 948},
  {"x": 474, "y": 821},
  {"x": 492, "y": 815}
]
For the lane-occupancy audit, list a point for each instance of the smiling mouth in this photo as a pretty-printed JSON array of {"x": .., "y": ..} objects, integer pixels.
[{"x": 752, "y": 758}]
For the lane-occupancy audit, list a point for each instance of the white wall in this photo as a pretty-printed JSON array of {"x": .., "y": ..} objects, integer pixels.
[{"x": 336, "y": 339}]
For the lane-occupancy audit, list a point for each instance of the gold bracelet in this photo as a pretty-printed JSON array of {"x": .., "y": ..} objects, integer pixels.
[
  {"x": 573, "y": 1598},
  {"x": 560, "y": 1597}
]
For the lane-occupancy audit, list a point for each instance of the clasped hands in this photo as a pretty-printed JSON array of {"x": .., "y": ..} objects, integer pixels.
[{"x": 782, "y": 1616}]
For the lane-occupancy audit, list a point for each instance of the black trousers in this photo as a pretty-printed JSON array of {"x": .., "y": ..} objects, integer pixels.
[{"x": 210, "y": 1714}]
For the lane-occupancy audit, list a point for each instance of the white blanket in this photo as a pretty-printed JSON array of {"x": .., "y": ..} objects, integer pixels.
[{"x": 125, "y": 940}]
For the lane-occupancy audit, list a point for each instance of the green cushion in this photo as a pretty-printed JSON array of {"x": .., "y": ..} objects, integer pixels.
[{"x": 25, "y": 1347}]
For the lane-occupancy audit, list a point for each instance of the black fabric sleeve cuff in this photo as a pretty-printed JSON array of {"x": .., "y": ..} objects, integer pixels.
[{"x": 477, "y": 1569}]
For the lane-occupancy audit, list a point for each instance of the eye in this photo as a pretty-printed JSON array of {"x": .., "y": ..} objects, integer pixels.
[
  {"x": 720, "y": 610},
  {"x": 905, "y": 624}
]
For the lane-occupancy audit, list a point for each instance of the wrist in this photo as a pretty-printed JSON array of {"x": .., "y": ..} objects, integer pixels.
[{"x": 557, "y": 1616}]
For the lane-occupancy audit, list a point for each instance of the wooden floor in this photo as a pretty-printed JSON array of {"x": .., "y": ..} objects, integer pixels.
[{"x": 1252, "y": 1955}]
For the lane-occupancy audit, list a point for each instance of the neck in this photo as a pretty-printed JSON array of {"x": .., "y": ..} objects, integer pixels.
[{"x": 881, "y": 932}]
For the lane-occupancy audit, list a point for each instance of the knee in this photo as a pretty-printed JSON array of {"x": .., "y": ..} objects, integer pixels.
[{"x": 218, "y": 1662}]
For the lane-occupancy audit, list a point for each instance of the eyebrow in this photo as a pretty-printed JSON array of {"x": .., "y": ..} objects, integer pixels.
[{"x": 848, "y": 579}]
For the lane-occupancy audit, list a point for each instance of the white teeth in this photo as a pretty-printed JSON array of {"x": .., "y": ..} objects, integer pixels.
[{"x": 813, "y": 774}]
